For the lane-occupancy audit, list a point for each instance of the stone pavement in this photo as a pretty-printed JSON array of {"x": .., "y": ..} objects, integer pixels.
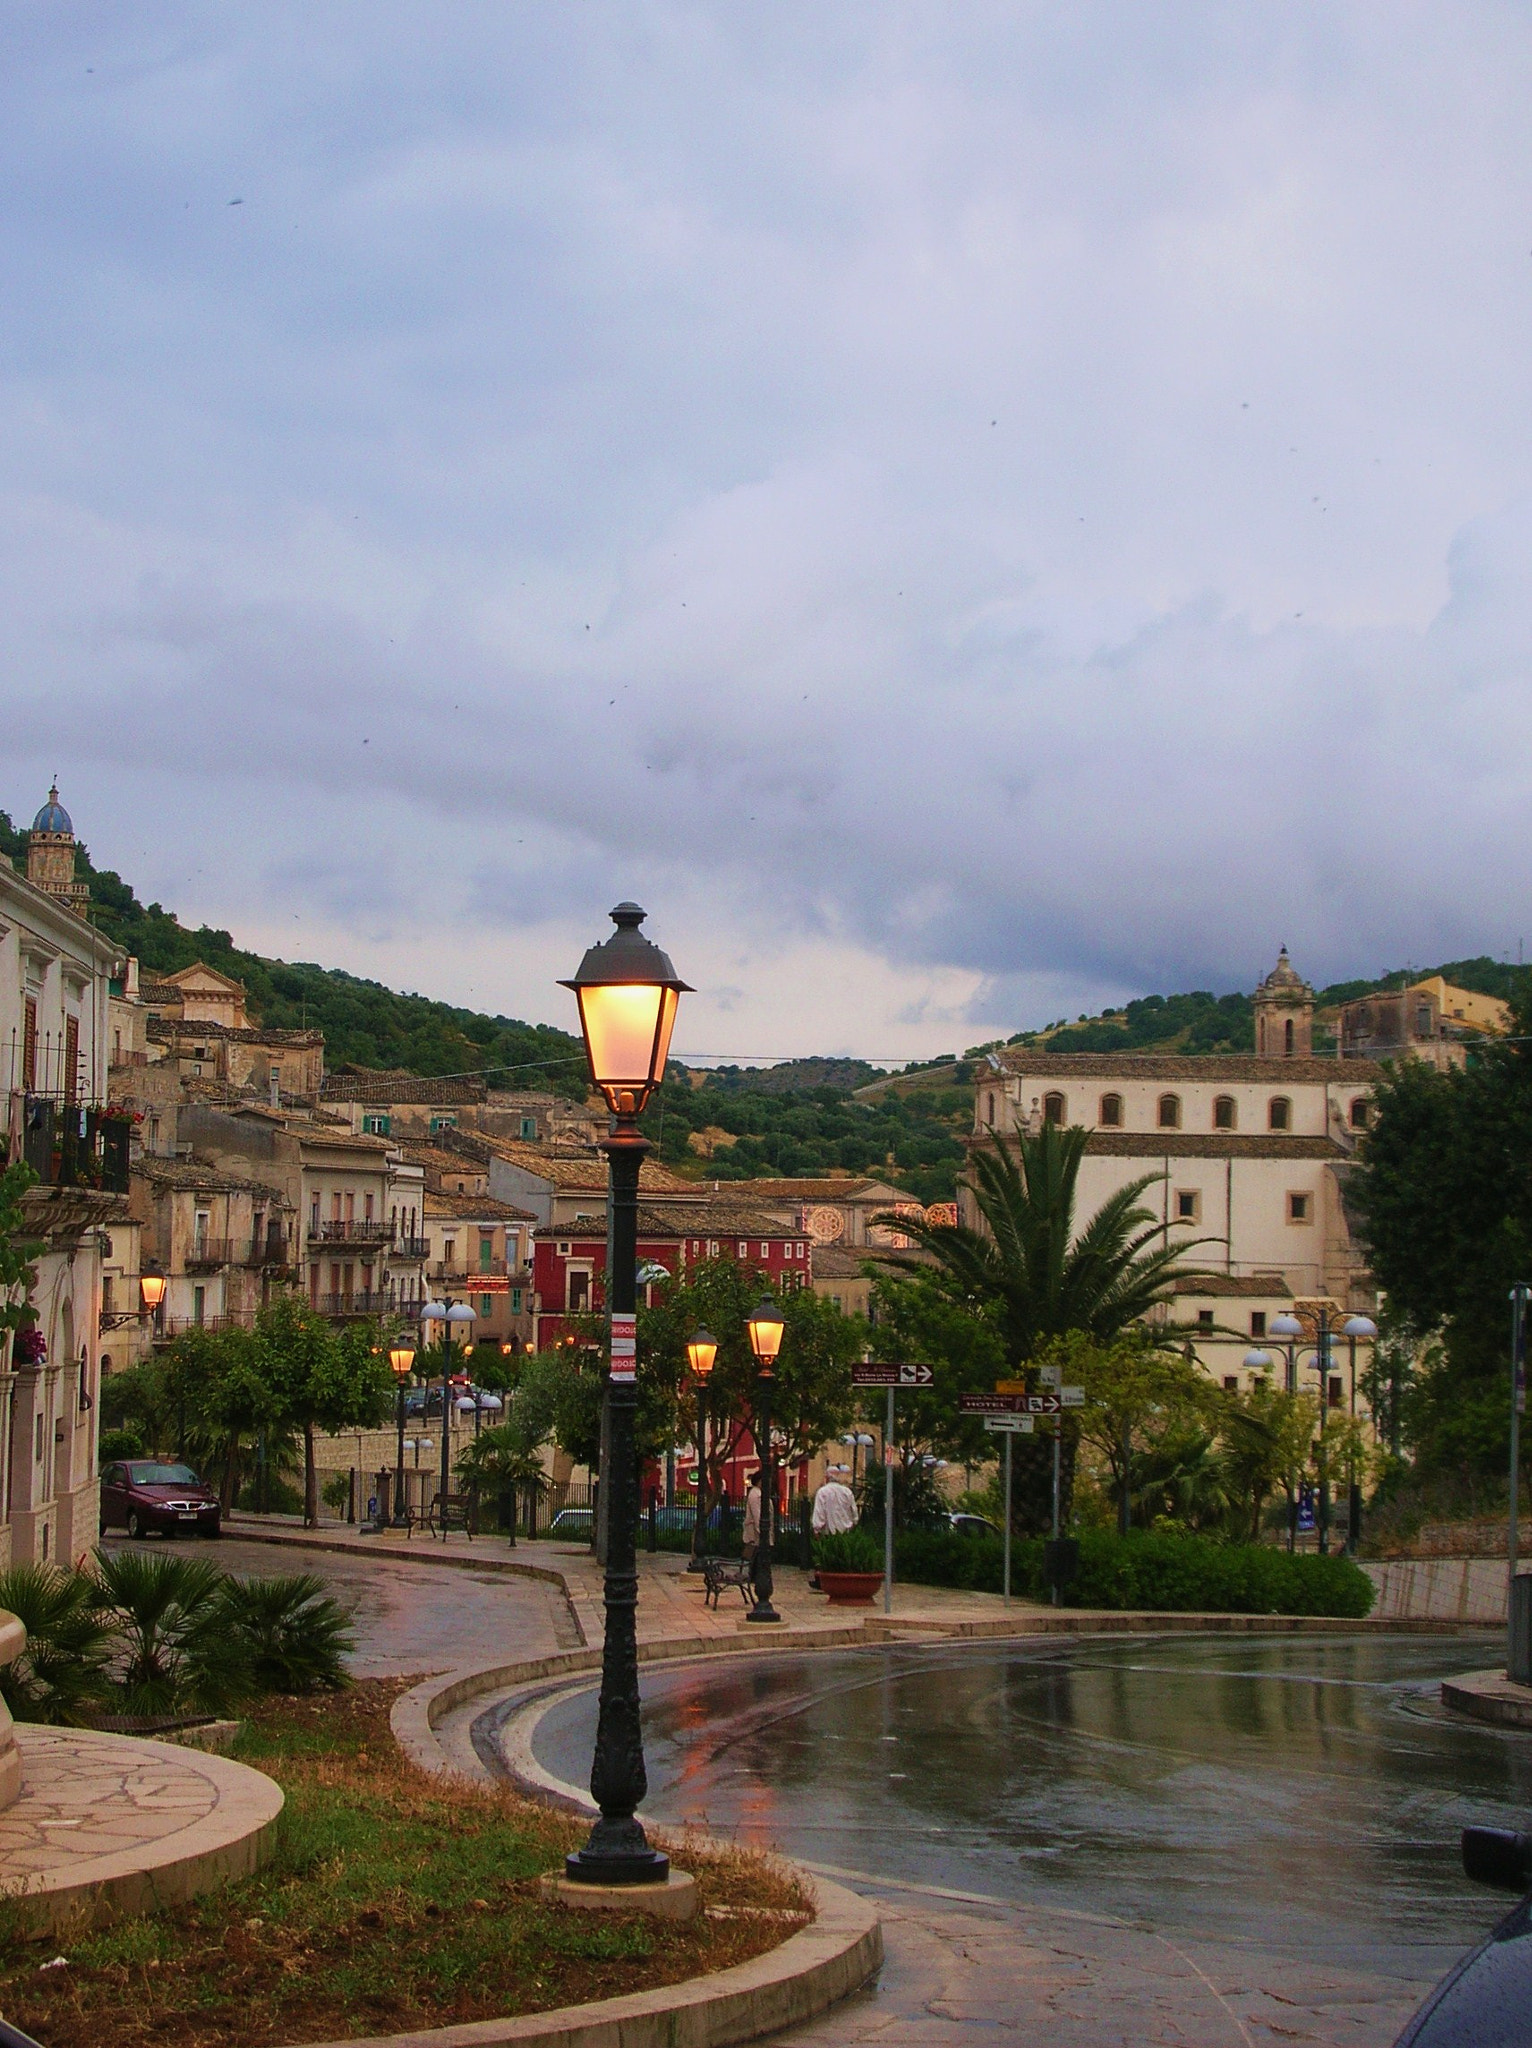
[{"x": 114, "y": 1822}]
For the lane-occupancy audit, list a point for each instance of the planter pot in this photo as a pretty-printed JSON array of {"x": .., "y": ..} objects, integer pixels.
[{"x": 850, "y": 1589}]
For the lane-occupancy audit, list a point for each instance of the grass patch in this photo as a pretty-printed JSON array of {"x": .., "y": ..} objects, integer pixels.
[{"x": 395, "y": 1900}]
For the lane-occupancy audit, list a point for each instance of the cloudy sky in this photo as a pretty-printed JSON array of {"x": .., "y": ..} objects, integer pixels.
[{"x": 967, "y": 513}]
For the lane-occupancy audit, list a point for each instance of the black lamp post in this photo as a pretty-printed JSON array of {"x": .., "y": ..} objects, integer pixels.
[
  {"x": 701, "y": 1350},
  {"x": 1287, "y": 1329},
  {"x": 450, "y": 1314},
  {"x": 401, "y": 1358},
  {"x": 765, "y": 1327},
  {"x": 628, "y": 994},
  {"x": 1357, "y": 1329}
]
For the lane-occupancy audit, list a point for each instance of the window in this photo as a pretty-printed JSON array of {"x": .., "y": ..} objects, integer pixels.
[
  {"x": 989, "y": 1111},
  {"x": 577, "y": 1297},
  {"x": 1204, "y": 1319},
  {"x": 529, "y": 1129},
  {"x": 516, "y": 1306},
  {"x": 443, "y": 1123},
  {"x": 1170, "y": 1112},
  {"x": 367, "y": 1208},
  {"x": 1298, "y": 1209},
  {"x": 486, "y": 1250},
  {"x": 1258, "y": 1324},
  {"x": 766, "y": 1254},
  {"x": 199, "y": 1305},
  {"x": 377, "y": 1126},
  {"x": 29, "y": 1043},
  {"x": 712, "y": 1247},
  {"x": 1231, "y": 1386},
  {"x": 486, "y": 1304},
  {"x": 1188, "y": 1205},
  {"x": 1288, "y": 1037},
  {"x": 741, "y": 1249},
  {"x": 563, "y": 1251},
  {"x": 449, "y": 1251},
  {"x": 1225, "y": 1115},
  {"x": 1423, "y": 1023},
  {"x": 1053, "y": 1107},
  {"x": 71, "y": 1059},
  {"x": 106, "y": 1302},
  {"x": 1361, "y": 1109},
  {"x": 1279, "y": 1114},
  {"x": 1335, "y": 1395},
  {"x": 1111, "y": 1112}
]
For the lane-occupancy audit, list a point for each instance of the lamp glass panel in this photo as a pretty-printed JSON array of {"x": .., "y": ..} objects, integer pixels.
[
  {"x": 152, "y": 1287},
  {"x": 765, "y": 1328},
  {"x": 700, "y": 1353},
  {"x": 402, "y": 1359},
  {"x": 621, "y": 1022}
]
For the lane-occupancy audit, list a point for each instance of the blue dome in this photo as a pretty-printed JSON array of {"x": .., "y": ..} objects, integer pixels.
[{"x": 53, "y": 817}]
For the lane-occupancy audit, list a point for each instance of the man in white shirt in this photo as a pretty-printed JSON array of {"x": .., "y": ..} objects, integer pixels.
[{"x": 835, "y": 1510}]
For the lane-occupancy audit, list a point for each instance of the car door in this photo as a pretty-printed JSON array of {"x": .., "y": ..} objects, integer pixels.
[{"x": 113, "y": 1496}]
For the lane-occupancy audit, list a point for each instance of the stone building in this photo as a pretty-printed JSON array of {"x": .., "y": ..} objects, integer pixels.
[
  {"x": 55, "y": 975},
  {"x": 224, "y": 1240},
  {"x": 479, "y": 1250}
]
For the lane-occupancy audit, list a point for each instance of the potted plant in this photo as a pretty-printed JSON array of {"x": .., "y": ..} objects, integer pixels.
[{"x": 850, "y": 1567}]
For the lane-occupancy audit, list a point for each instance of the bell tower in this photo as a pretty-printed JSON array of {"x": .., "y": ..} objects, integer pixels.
[
  {"x": 50, "y": 855},
  {"x": 1284, "y": 1014}
]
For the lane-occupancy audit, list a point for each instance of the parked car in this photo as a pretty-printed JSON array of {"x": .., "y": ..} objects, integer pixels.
[
  {"x": 974, "y": 1525},
  {"x": 573, "y": 1524},
  {"x": 1486, "y": 2001},
  {"x": 148, "y": 1498}
]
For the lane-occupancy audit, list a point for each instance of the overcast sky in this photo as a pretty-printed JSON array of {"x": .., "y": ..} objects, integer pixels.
[{"x": 967, "y": 512}]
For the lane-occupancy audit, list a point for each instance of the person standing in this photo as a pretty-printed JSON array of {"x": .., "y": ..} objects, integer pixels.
[
  {"x": 835, "y": 1510},
  {"x": 752, "y": 1530}
]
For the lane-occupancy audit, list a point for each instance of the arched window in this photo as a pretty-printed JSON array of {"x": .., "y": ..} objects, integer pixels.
[
  {"x": 1361, "y": 1112},
  {"x": 989, "y": 1111},
  {"x": 1111, "y": 1112},
  {"x": 1225, "y": 1115},
  {"x": 1288, "y": 1038},
  {"x": 1279, "y": 1114},
  {"x": 1170, "y": 1112},
  {"x": 1053, "y": 1108}
]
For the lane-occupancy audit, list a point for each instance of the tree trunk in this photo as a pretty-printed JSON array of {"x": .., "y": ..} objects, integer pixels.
[
  {"x": 230, "y": 1473},
  {"x": 310, "y": 1480}
]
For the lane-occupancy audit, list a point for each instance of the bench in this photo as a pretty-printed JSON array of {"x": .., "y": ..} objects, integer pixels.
[
  {"x": 456, "y": 1513},
  {"x": 718, "y": 1572}
]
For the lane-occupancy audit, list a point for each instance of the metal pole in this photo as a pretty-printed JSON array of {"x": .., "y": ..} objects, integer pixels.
[
  {"x": 618, "y": 1851},
  {"x": 1008, "y": 1437},
  {"x": 1322, "y": 1357},
  {"x": 446, "y": 1479},
  {"x": 1353, "y": 1487},
  {"x": 1292, "y": 1491},
  {"x": 888, "y": 1510},
  {"x": 760, "y": 1568},
  {"x": 699, "y": 1525},
  {"x": 399, "y": 1517},
  {"x": 1058, "y": 1459},
  {"x": 1519, "y": 1295}
]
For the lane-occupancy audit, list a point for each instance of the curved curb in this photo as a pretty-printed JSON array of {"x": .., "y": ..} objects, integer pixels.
[
  {"x": 808, "y": 1973},
  {"x": 1489, "y": 1696}
]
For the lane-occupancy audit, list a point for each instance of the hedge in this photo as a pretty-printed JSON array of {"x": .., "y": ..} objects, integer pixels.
[{"x": 1160, "y": 1572}]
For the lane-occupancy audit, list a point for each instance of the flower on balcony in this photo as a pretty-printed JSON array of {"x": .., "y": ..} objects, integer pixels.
[{"x": 29, "y": 1346}]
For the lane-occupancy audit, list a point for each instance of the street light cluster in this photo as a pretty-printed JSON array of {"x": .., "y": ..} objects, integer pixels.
[{"x": 1290, "y": 1332}]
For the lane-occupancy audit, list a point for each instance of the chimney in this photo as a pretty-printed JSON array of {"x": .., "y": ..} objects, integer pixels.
[{"x": 130, "y": 980}]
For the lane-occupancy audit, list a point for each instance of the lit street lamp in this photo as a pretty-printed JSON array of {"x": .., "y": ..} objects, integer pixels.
[
  {"x": 765, "y": 1327},
  {"x": 401, "y": 1358},
  {"x": 701, "y": 1350},
  {"x": 628, "y": 994},
  {"x": 452, "y": 1315}
]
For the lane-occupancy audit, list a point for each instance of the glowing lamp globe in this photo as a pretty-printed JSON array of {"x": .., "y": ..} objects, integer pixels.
[
  {"x": 401, "y": 1358},
  {"x": 628, "y": 994},
  {"x": 701, "y": 1350},
  {"x": 765, "y": 1327},
  {"x": 152, "y": 1287}
]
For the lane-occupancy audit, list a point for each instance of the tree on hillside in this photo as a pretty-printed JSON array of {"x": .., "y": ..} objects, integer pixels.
[
  {"x": 1443, "y": 1201},
  {"x": 1037, "y": 1276}
]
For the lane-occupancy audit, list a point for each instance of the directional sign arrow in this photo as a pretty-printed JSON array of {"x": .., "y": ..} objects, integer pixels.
[
  {"x": 906, "y": 1375},
  {"x": 1009, "y": 1404},
  {"x": 1009, "y": 1425}
]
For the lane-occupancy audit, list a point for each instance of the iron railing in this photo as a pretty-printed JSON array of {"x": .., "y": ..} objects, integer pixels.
[
  {"x": 71, "y": 1145},
  {"x": 373, "y": 1230},
  {"x": 204, "y": 1254},
  {"x": 357, "y": 1303}
]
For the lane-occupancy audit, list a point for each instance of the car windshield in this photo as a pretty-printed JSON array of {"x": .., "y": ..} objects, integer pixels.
[{"x": 162, "y": 1475}]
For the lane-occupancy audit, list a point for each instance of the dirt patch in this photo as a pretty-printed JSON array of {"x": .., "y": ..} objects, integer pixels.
[{"x": 395, "y": 1900}]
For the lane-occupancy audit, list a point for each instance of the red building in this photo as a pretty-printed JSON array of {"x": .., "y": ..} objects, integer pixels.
[{"x": 569, "y": 1259}]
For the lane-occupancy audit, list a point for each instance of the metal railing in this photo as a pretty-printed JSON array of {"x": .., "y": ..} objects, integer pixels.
[
  {"x": 204, "y": 1253},
  {"x": 410, "y": 1247},
  {"x": 373, "y": 1230},
  {"x": 266, "y": 1251},
  {"x": 357, "y": 1303},
  {"x": 491, "y": 1269},
  {"x": 71, "y": 1145}
]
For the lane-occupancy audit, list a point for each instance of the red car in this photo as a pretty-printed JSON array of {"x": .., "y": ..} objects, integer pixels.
[{"x": 148, "y": 1498}]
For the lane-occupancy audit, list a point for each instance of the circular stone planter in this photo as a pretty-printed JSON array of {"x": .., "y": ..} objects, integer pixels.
[
  {"x": 850, "y": 1589},
  {"x": 13, "y": 1640}
]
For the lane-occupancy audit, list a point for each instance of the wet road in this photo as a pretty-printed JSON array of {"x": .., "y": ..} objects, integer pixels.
[
  {"x": 410, "y": 1618},
  {"x": 1301, "y": 1795}
]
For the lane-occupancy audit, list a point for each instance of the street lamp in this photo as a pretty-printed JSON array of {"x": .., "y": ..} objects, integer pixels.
[
  {"x": 401, "y": 1359},
  {"x": 453, "y": 1316},
  {"x": 152, "y": 1287},
  {"x": 628, "y": 993},
  {"x": 1257, "y": 1360},
  {"x": 1356, "y": 1330},
  {"x": 765, "y": 1328},
  {"x": 1288, "y": 1330},
  {"x": 859, "y": 1441},
  {"x": 701, "y": 1350}
]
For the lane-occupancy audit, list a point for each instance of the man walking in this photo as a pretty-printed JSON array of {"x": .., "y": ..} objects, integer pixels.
[{"x": 834, "y": 1511}]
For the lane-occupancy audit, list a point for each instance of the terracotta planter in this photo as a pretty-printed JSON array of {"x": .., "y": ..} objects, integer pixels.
[{"x": 850, "y": 1589}]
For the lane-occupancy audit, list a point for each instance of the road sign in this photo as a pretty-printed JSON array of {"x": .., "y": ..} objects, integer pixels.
[
  {"x": 1072, "y": 1397},
  {"x": 1011, "y": 1387},
  {"x": 1009, "y": 1404},
  {"x": 1009, "y": 1425},
  {"x": 1050, "y": 1375},
  {"x": 908, "y": 1375}
]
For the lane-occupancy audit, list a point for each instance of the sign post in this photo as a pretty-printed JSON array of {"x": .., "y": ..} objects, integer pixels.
[
  {"x": 1008, "y": 1426},
  {"x": 907, "y": 1374}
]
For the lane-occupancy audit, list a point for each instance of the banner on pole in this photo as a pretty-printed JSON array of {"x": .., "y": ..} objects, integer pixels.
[{"x": 624, "y": 1347}]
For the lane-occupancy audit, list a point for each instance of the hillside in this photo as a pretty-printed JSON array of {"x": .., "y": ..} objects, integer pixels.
[{"x": 362, "y": 1020}]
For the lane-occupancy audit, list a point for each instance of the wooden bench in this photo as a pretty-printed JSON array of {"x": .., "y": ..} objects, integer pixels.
[
  {"x": 718, "y": 1572},
  {"x": 456, "y": 1513}
]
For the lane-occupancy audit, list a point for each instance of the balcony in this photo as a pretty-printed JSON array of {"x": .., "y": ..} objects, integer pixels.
[
  {"x": 167, "y": 1327},
  {"x": 68, "y": 1145},
  {"x": 375, "y": 1230},
  {"x": 357, "y": 1303},
  {"x": 206, "y": 1254},
  {"x": 464, "y": 1276},
  {"x": 408, "y": 1248},
  {"x": 270, "y": 1250}
]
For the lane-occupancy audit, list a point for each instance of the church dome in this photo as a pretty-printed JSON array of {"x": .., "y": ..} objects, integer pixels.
[
  {"x": 53, "y": 817},
  {"x": 1282, "y": 976}
]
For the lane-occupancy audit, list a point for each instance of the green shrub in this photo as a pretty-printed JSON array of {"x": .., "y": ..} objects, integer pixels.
[
  {"x": 849, "y": 1550},
  {"x": 120, "y": 1443},
  {"x": 282, "y": 1497},
  {"x": 336, "y": 1492},
  {"x": 294, "y": 1634},
  {"x": 1161, "y": 1572},
  {"x": 61, "y": 1674},
  {"x": 174, "y": 1651}
]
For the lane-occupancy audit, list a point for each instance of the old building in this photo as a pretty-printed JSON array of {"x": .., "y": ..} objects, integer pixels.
[
  {"x": 1250, "y": 1152},
  {"x": 558, "y": 1186},
  {"x": 55, "y": 974},
  {"x": 831, "y": 1209},
  {"x": 479, "y": 1250},
  {"x": 224, "y": 1240},
  {"x": 1429, "y": 1020}
]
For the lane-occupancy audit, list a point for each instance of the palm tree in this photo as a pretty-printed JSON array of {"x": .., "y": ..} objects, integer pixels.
[{"x": 1031, "y": 1270}]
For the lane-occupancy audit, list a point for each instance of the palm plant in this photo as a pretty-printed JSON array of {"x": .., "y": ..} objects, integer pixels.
[
  {"x": 295, "y": 1635},
  {"x": 175, "y": 1651},
  {"x": 1041, "y": 1278},
  {"x": 61, "y": 1674}
]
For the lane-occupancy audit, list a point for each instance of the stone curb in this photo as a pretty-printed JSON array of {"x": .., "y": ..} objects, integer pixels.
[{"x": 1489, "y": 1696}]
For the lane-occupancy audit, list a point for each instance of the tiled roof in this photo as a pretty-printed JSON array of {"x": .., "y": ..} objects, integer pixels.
[
  {"x": 834, "y": 1262},
  {"x": 200, "y": 1178},
  {"x": 477, "y": 1208},
  {"x": 829, "y": 1189},
  {"x": 394, "y": 1085},
  {"x": 170, "y": 1030},
  {"x": 1037, "y": 1063},
  {"x": 716, "y": 1220},
  {"x": 1248, "y": 1286},
  {"x": 581, "y": 1170}
]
